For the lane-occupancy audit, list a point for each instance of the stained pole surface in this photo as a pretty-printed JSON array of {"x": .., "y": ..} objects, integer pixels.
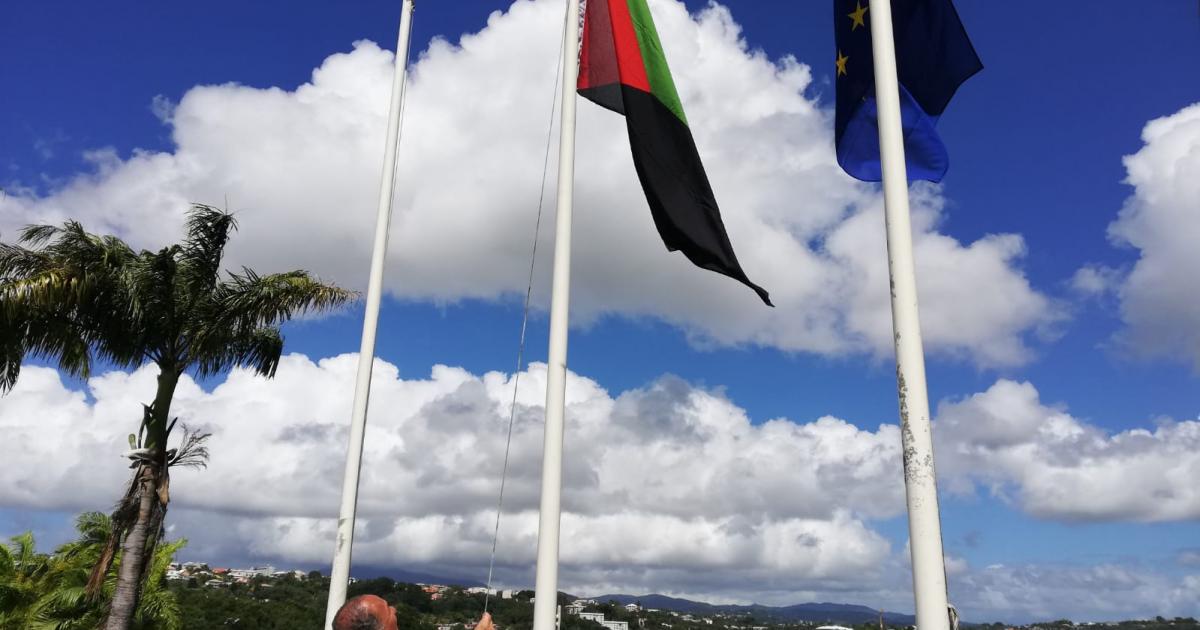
[{"x": 920, "y": 484}]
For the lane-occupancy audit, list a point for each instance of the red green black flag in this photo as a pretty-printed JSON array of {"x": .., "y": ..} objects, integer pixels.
[{"x": 622, "y": 67}]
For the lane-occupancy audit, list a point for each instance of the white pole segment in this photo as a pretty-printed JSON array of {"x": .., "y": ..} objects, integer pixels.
[
  {"x": 339, "y": 577},
  {"x": 924, "y": 524},
  {"x": 546, "y": 582}
]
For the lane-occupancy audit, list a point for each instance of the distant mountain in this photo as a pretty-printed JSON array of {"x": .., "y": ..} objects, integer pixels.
[
  {"x": 661, "y": 602},
  {"x": 412, "y": 577},
  {"x": 822, "y": 612}
]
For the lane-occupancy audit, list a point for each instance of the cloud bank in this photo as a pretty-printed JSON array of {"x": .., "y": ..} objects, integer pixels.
[
  {"x": 668, "y": 487},
  {"x": 302, "y": 165}
]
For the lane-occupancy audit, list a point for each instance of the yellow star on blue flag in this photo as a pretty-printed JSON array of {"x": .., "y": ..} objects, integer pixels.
[{"x": 933, "y": 57}]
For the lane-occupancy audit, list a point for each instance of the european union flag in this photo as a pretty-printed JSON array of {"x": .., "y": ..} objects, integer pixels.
[{"x": 933, "y": 57}]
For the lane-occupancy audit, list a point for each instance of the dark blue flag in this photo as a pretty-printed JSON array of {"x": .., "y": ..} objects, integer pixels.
[{"x": 933, "y": 57}]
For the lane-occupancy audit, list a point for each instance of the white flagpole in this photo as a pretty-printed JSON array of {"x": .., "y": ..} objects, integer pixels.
[
  {"x": 340, "y": 575},
  {"x": 920, "y": 484},
  {"x": 549, "y": 515}
]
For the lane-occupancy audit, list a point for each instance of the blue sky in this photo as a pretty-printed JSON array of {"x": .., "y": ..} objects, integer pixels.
[{"x": 1036, "y": 143}]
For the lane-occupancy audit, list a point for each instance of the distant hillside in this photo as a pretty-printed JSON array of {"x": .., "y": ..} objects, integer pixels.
[
  {"x": 823, "y": 612},
  {"x": 413, "y": 577},
  {"x": 662, "y": 602}
]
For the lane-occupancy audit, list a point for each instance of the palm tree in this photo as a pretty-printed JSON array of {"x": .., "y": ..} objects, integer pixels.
[{"x": 76, "y": 298}]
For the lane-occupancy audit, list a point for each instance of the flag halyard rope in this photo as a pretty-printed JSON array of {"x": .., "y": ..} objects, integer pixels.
[{"x": 524, "y": 321}]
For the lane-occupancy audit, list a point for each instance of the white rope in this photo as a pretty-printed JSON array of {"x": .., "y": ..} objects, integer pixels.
[{"x": 512, "y": 411}]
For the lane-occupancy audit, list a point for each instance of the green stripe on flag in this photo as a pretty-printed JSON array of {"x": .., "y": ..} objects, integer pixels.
[{"x": 661, "y": 84}]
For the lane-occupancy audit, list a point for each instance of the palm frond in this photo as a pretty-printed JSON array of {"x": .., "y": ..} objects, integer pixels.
[
  {"x": 192, "y": 452},
  {"x": 11, "y": 354},
  {"x": 40, "y": 332},
  {"x": 163, "y": 556},
  {"x": 25, "y": 549},
  {"x": 35, "y": 235},
  {"x": 73, "y": 243},
  {"x": 93, "y": 528},
  {"x": 153, "y": 304},
  {"x": 257, "y": 349},
  {"x": 62, "y": 298},
  {"x": 64, "y": 601},
  {"x": 208, "y": 230},
  {"x": 17, "y": 261},
  {"x": 252, "y": 300},
  {"x": 8, "y": 564},
  {"x": 236, "y": 326},
  {"x": 159, "y": 608}
]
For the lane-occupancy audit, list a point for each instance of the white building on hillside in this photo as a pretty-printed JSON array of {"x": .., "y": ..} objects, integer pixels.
[
  {"x": 615, "y": 625},
  {"x": 252, "y": 572},
  {"x": 297, "y": 573}
]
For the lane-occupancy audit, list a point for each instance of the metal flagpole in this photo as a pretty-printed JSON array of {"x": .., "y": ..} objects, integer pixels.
[
  {"x": 924, "y": 524},
  {"x": 546, "y": 582},
  {"x": 340, "y": 575}
]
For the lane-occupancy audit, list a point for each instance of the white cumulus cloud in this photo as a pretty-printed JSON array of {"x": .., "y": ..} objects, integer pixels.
[
  {"x": 1058, "y": 467},
  {"x": 301, "y": 167},
  {"x": 1160, "y": 302}
]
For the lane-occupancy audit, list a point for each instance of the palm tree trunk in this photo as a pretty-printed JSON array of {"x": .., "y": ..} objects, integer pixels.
[
  {"x": 142, "y": 534},
  {"x": 129, "y": 576}
]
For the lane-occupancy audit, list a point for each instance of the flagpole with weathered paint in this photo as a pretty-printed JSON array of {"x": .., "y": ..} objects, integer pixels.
[
  {"x": 549, "y": 514},
  {"x": 340, "y": 575},
  {"x": 924, "y": 521}
]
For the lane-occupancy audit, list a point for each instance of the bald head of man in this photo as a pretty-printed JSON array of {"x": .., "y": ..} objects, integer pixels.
[{"x": 365, "y": 612}]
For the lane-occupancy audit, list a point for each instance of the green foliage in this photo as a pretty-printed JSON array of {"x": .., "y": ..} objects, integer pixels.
[
  {"x": 72, "y": 297},
  {"x": 290, "y": 603},
  {"x": 22, "y": 580},
  {"x": 284, "y": 604},
  {"x": 1158, "y": 623},
  {"x": 46, "y": 591}
]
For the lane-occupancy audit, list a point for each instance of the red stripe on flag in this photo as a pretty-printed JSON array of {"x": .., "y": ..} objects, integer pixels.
[
  {"x": 610, "y": 52},
  {"x": 629, "y": 53},
  {"x": 597, "y": 60}
]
